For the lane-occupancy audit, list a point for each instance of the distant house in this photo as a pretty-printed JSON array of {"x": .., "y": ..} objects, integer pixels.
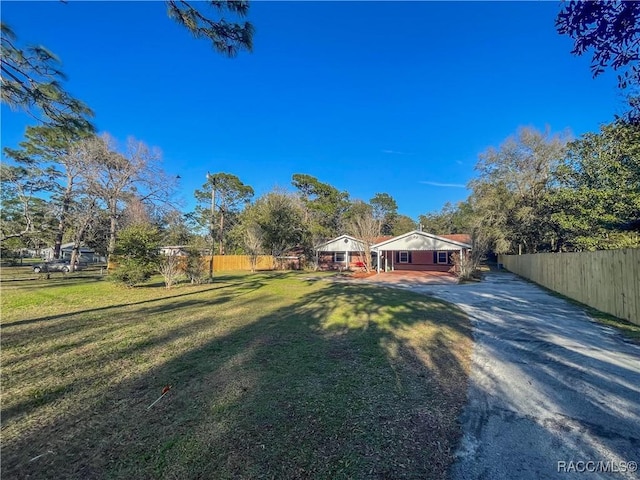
[
  {"x": 87, "y": 254},
  {"x": 421, "y": 251},
  {"x": 178, "y": 250},
  {"x": 415, "y": 250}
]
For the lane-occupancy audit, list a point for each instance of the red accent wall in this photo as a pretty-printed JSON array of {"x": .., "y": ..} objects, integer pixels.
[
  {"x": 422, "y": 268},
  {"x": 421, "y": 260},
  {"x": 325, "y": 261}
]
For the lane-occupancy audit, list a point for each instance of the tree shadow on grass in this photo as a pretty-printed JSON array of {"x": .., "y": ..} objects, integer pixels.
[
  {"x": 251, "y": 284},
  {"x": 41, "y": 281},
  {"x": 347, "y": 382}
]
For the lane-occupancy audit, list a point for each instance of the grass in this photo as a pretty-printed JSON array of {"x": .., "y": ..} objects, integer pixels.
[{"x": 273, "y": 375}]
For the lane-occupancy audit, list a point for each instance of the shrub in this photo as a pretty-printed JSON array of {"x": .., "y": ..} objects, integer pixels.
[
  {"x": 131, "y": 272},
  {"x": 170, "y": 268},
  {"x": 465, "y": 267},
  {"x": 136, "y": 254},
  {"x": 195, "y": 267}
]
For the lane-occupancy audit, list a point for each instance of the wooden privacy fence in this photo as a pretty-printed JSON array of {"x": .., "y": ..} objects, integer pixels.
[
  {"x": 608, "y": 280},
  {"x": 226, "y": 262},
  {"x": 240, "y": 262}
]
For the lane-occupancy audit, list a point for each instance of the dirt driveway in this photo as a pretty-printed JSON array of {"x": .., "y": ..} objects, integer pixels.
[{"x": 552, "y": 393}]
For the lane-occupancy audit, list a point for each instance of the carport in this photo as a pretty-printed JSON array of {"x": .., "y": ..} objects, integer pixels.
[{"x": 419, "y": 251}]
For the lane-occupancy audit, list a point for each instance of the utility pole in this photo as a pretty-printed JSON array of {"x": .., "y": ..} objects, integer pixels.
[{"x": 212, "y": 222}]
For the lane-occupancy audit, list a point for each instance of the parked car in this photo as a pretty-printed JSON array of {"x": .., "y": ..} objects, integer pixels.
[{"x": 57, "y": 266}]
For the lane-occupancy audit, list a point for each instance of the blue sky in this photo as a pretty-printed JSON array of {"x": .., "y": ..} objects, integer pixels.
[{"x": 395, "y": 97}]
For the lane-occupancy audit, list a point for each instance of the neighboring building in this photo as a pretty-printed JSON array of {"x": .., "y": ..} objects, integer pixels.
[
  {"x": 30, "y": 253},
  {"x": 420, "y": 251},
  {"x": 87, "y": 254},
  {"x": 178, "y": 250}
]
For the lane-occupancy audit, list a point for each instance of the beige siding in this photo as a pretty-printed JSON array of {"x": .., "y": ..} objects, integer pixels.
[
  {"x": 344, "y": 243},
  {"x": 608, "y": 280},
  {"x": 419, "y": 241}
]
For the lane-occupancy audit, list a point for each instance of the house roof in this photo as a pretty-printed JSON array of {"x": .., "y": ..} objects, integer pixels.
[
  {"x": 343, "y": 243},
  {"x": 381, "y": 239},
  {"x": 459, "y": 237},
  {"x": 417, "y": 240},
  {"x": 69, "y": 246}
]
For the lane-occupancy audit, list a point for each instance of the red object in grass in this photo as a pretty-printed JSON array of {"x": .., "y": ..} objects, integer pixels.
[{"x": 166, "y": 389}]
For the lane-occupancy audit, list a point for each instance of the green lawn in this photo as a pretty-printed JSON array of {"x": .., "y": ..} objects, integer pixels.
[{"x": 273, "y": 375}]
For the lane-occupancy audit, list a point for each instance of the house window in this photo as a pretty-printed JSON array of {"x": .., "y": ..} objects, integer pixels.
[
  {"x": 443, "y": 257},
  {"x": 404, "y": 257},
  {"x": 338, "y": 257}
]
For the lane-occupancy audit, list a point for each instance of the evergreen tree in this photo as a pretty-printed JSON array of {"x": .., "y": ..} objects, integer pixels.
[
  {"x": 136, "y": 254},
  {"x": 324, "y": 205},
  {"x": 31, "y": 81}
]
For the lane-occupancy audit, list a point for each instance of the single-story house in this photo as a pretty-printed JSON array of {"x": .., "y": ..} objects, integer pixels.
[
  {"x": 87, "y": 254},
  {"x": 415, "y": 250},
  {"x": 340, "y": 253},
  {"x": 422, "y": 251}
]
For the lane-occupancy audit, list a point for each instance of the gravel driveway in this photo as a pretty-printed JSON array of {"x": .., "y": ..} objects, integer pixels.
[{"x": 550, "y": 389}]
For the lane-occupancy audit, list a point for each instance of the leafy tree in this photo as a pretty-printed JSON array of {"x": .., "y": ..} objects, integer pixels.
[
  {"x": 324, "y": 206},
  {"x": 195, "y": 265},
  {"x": 51, "y": 150},
  {"x": 280, "y": 217},
  {"x": 451, "y": 219},
  {"x": 402, "y": 224},
  {"x": 23, "y": 214},
  {"x": 136, "y": 254},
  {"x": 596, "y": 204},
  {"x": 229, "y": 196},
  {"x": 31, "y": 81},
  {"x": 175, "y": 229},
  {"x": 512, "y": 185},
  {"x": 611, "y": 29},
  {"x": 439, "y": 223},
  {"x": 357, "y": 208},
  {"x": 385, "y": 211}
]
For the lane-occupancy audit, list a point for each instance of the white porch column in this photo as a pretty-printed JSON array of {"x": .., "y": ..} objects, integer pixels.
[{"x": 346, "y": 260}]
